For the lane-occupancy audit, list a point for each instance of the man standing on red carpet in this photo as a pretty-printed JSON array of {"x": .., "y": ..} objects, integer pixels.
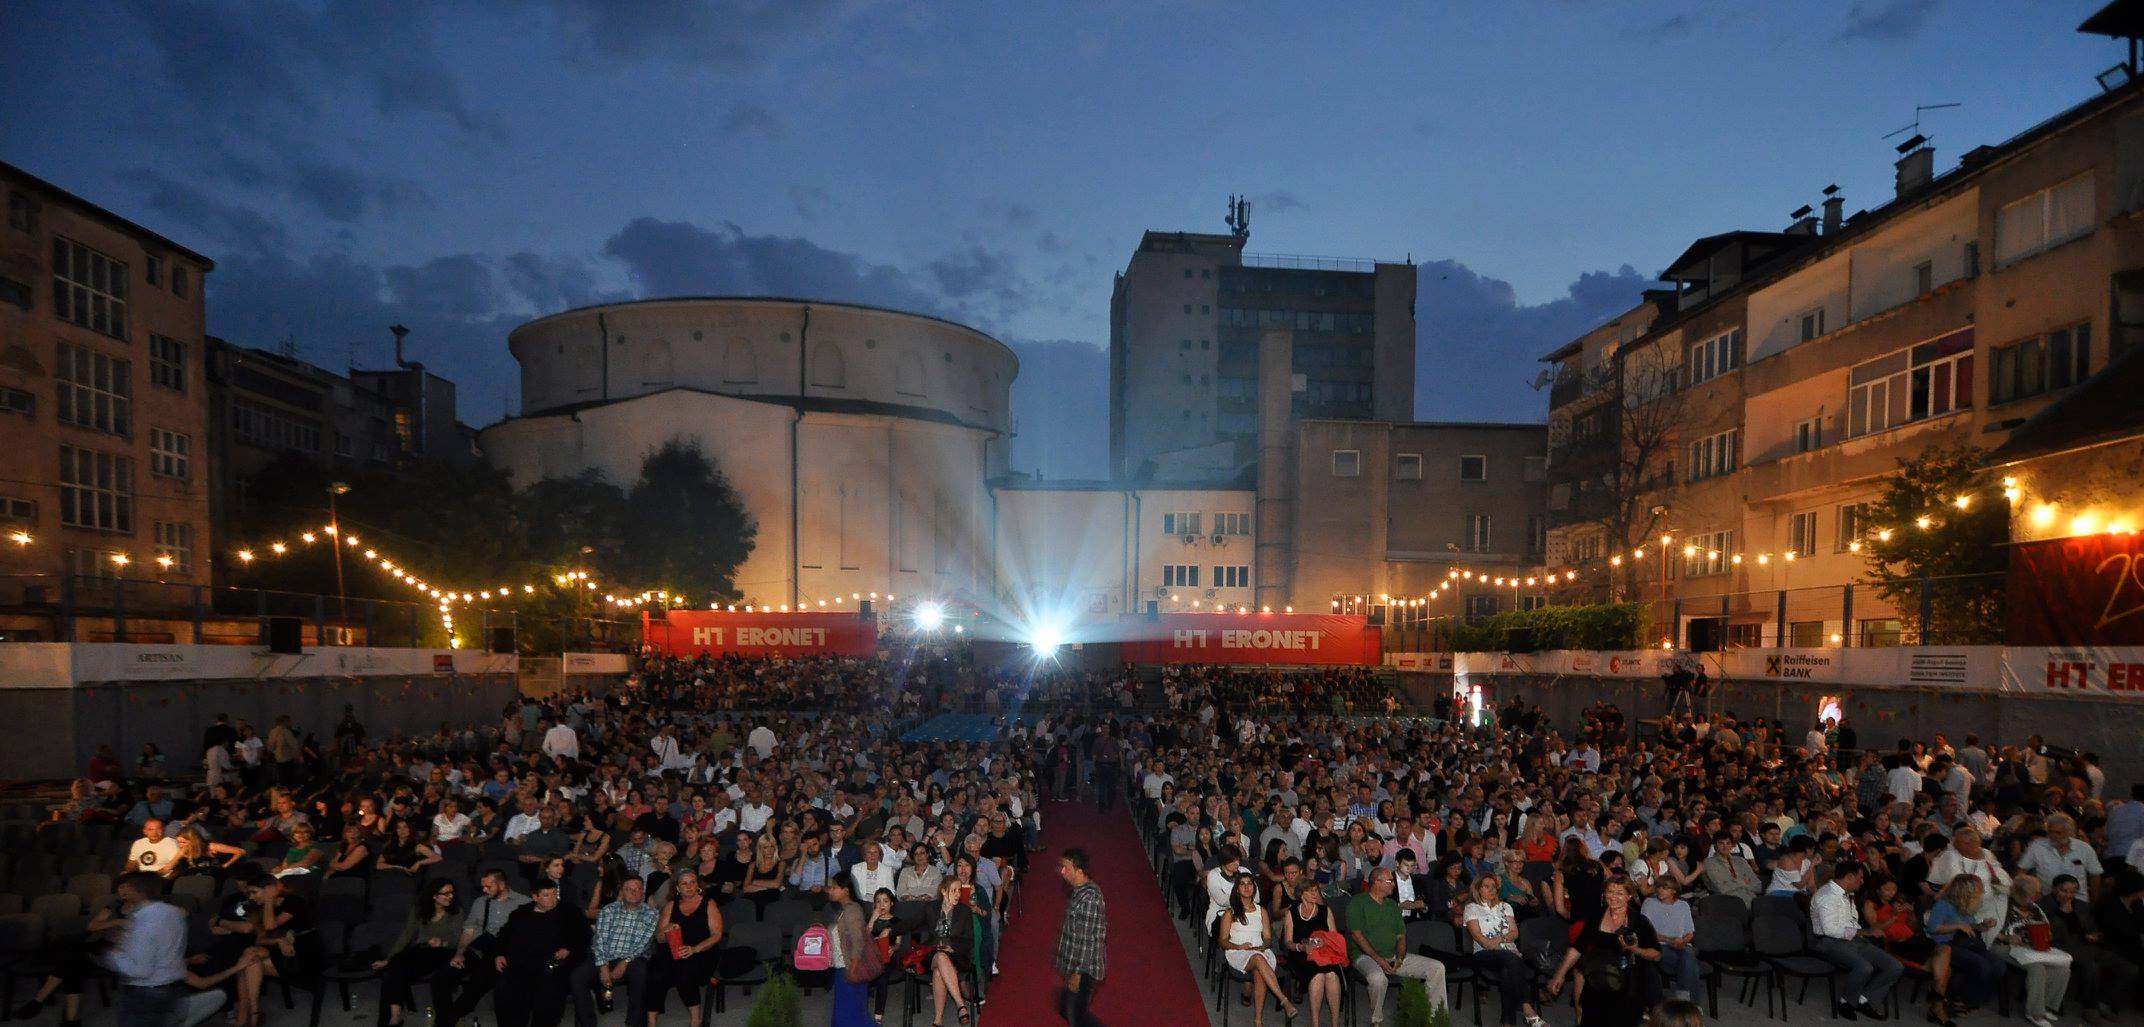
[{"x": 1080, "y": 942}]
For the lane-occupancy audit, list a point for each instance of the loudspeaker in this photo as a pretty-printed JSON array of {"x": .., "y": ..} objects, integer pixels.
[
  {"x": 1518, "y": 640},
  {"x": 283, "y": 634},
  {"x": 501, "y": 640},
  {"x": 658, "y": 611},
  {"x": 1707, "y": 634},
  {"x": 864, "y": 608},
  {"x": 1377, "y": 616}
]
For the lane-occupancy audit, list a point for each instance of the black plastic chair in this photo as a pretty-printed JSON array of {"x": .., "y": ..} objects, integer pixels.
[{"x": 1785, "y": 949}]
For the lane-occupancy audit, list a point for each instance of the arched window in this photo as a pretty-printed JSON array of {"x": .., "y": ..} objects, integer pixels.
[
  {"x": 908, "y": 375},
  {"x": 740, "y": 366},
  {"x": 657, "y": 366},
  {"x": 827, "y": 368}
]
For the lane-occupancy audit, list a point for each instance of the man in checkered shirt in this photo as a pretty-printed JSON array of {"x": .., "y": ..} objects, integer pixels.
[{"x": 1080, "y": 943}]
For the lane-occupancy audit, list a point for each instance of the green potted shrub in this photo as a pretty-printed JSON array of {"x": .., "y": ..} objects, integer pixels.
[{"x": 779, "y": 1005}]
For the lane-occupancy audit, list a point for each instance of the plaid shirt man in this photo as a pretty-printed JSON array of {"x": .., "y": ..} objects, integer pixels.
[
  {"x": 623, "y": 932},
  {"x": 1079, "y": 944}
]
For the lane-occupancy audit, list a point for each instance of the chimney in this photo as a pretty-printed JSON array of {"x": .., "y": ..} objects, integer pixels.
[
  {"x": 1803, "y": 223},
  {"x": 1916, "y": 169},
  {"x": 1834, "y": 209}
]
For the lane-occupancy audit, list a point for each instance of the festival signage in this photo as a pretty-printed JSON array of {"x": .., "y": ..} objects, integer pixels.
[
  {"x": 720, "y": 632},
  {"x": 2082, "y": 591},
  {"x": 2075, "y": 671},
  {"x": 1296, "y": 639}
]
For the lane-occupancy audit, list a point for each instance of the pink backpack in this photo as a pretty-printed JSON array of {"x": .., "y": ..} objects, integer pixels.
[{"x": 815, "y": 949}]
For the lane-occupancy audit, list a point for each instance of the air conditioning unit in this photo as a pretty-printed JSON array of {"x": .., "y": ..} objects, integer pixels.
[
  {"x": 1190, "y": 538},
  {"x": 1161, "y": 591},
  {"x": 339, "y": 635},
  {"x": 1212, "y": 592},
  {"x": 1218, "y": 539}
]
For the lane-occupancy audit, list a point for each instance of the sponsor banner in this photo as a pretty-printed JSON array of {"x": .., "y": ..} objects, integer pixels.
[
  {"x": 720, "y": 632},
  {"x": 1952, "y": 668},
  {"x": 1420, "y": 661},
  {"x": 1299, "y": 639},
  {"x": 2075, "y": 670},
  {"x": 596, "y": 663},
  {"x": 2082, "y": 591},
  {"x": 60, "y": 664},
  {"x": 1785, "y": 664}
]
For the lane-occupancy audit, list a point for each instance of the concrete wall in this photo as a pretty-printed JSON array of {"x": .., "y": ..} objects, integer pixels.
[{"x": 72, "y": 722}]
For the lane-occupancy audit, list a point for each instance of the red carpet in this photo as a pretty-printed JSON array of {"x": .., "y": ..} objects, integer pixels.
[{"x": 1148, "y": 980}]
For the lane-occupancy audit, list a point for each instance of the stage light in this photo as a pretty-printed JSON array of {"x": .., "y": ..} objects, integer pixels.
[
  {"x": 244, "y": 555},
  {"x": 1045, "y": 639},
  {"x": 929, "y": 616}
]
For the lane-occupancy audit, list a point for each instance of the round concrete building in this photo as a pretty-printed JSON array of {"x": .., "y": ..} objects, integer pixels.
[{"x": 861, "y": 439}]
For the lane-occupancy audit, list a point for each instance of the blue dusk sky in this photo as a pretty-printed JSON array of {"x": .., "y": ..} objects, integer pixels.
[{"x": 459, "y": 168}]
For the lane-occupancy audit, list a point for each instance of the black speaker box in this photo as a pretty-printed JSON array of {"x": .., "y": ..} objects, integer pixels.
[
  {"x": 1707, "y": 635},
  {"x": 501, "y": 640},
  {"x": 283, "y": 634},
  {"x": 1518, "y": 640}
]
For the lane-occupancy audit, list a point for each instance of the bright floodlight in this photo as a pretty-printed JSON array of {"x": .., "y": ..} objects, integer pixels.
[
  {"x": 930, "y": 616},
  {"x": 1045, "y": 641}
]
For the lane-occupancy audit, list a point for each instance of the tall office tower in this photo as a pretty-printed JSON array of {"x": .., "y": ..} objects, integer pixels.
[{"x": 1185, "y": 322}]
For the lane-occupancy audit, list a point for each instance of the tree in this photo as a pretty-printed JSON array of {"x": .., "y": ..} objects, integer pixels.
[
  {"x": 1936, "y": 560},
  {"x": 684, "y": 525},
  {"x": 1638, "y": 425}
]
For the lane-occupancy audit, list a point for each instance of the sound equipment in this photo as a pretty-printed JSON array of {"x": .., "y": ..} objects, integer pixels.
[
  {"x": 1377, "y": 616},
  {"x": 1518, "y": 640},
  {"x": 658, "y": 612},
  {"x": 283, "y": 634},
  {"x": 501, "y": 640},
  {"x": 1707, "y": 634}
]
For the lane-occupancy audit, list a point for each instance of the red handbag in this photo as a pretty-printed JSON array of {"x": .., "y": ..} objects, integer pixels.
[{"x": 1330, "y": 950}]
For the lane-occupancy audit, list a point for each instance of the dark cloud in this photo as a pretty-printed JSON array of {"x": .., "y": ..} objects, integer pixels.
[
  {"x": 1060, "y": 404},
  {"x": 548, "y": 284},
  {"x": 811, "y": 201},
  {"x": 1279, "y": 201},
  {"x": 676, "y": 258},
  {"x": 751, "y": 119},
  {"x": 235, "y": 227},
  {"x": 975, "y": 272},
  {"x": 1886, "y": 21},
  {"x": 1012, "y": 213},
  {"x": 721, "y": 35},
  {"x": 462, "y": 283},
  {"x": 1477, "y": 346}
]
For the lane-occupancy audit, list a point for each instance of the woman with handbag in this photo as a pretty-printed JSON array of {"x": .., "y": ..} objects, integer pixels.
[
  {"x": 2029, "y": 943},
  {"x": 952, "y": 946},
  {"x": 856, "y": 958},
  {"x": 1971, "y": 973},
  {"x": 1317, "y": 950}
]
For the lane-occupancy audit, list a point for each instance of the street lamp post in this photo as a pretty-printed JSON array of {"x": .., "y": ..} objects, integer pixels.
[{"x": 342, "y": 611}]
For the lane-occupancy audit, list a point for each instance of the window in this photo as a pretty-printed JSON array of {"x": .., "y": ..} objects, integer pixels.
[
  {"x": 1473, "y": 468},
  {"x": 1231, "y": 523},
  {"x": 2057, "y": 360},
  {"x": 167, "y": 363},
  {"x": 1714, "y": 455},
  {"x": 1809, "y": 435},
  {"x": 14, "y": 293},
  {"x": 13, "y": 508},
  {"x": 1801, "y": 534},
  {"x": 1805, "y": 634},
  {"x": 1180, "y": 575},
  {"x": 89, "y": 288},
  {"x": 268, "y": 428},
  {"x": 16, "y": 401},
  {"x": 1536, "y": 534},
  {"x": 1478, "y": 536},
  {"x": 1878, "y": 632},
  {"x": 179, "y": 286},
  {"x": 1933, "y": 378},
  {"x": 1187, "y": 272},
  {"x": 1238, "y": 576},
  {"x": 96, "y": 490},
  {"x": 169, "y": 454},
  {"x": 175, "y": 539},
  {"x": 1347, "y": 463},
  {"x": 153, "y": 270},
  {"x": 1714, "y": 356},
  {"x": 20, "y": 214},
  {"x": 1180, "y": 524},
  {"x": 91, "y": 563},
  {"x": 1408, "y": 467},
  {"x": 93, "y": 391},
  {"x": 1853, "y": 520},
  {"x": 1534, "y": 468},
  {"x": 1481, "y": 607},
  {"x": 1709, "y": 553},
  {"x": 2043, "y": 220},
  {"x": 1924, "y": 278},
  {"x": 1812, "y": 324}
]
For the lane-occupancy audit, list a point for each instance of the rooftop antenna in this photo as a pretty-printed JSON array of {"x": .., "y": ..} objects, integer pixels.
[
  {"x": 1239, "y": 216},
  {"x": 1915, "y": 128}
]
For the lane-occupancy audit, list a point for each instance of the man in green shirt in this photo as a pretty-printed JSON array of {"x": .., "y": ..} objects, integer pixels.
[{"x": 1377, "y": 938}]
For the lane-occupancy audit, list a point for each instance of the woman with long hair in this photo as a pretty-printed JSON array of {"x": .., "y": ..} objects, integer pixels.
[
  {"x": 426, "y": 945},
  {"x": 855, "y": 956},
  {"x": 405, "y": 851},
  {"x": 1247, "y": 943},
  {"x": 1493, "y": 929},
  {"x": 355, "y": 857},
  {"x": 1970, "y": 973},
  {"x": 952, "y": 938},
  {"x": 1577, "y": 892},
  {"x": 1618, "y": 953}
]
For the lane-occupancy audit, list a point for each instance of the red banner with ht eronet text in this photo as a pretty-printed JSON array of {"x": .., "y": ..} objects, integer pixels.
[
  {"x": 689, "y": 633},
  {"x": 1298, "y": 639}
]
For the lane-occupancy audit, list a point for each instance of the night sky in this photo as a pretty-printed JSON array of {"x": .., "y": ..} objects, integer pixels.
[{"x": 462, "y": 170}]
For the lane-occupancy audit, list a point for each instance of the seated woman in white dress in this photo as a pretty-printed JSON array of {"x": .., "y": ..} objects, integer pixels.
[{"x": 1247, "y": 944}]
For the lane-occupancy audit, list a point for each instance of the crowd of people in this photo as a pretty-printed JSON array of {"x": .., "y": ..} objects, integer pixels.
[{"x": 630, "y": 849}]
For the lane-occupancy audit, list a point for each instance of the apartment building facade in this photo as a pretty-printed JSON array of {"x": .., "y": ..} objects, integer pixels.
[
  {"x": 1793, "y": 371},
  {"x": 103, "y": 401}
]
